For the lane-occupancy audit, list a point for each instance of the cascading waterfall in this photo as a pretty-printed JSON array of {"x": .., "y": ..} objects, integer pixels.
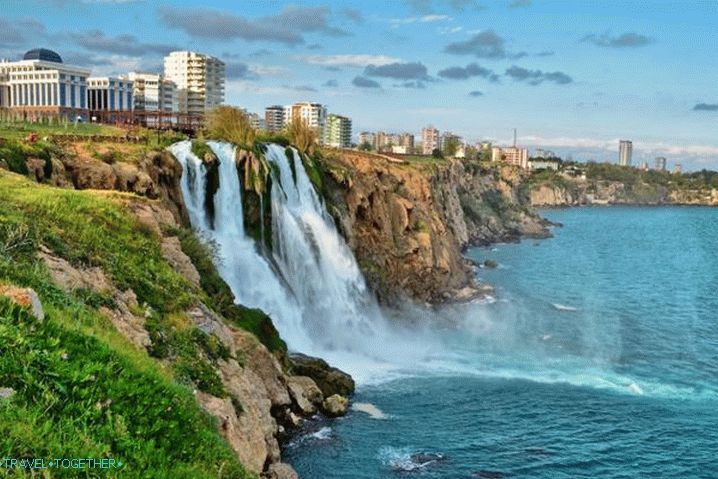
[{"x": 311, "y": 285}]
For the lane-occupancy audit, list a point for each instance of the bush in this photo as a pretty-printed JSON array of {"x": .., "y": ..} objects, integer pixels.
[{"x": 231, "y": 124}]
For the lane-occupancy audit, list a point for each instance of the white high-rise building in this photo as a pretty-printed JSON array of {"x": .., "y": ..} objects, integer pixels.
[
  {"x": 153, "y": 92},
  {"x": 625, "y": 152},
  {"x": 199, "y": 79},
  {"x": 42, "y": 85},
  {"x": 313, "y": 115}
]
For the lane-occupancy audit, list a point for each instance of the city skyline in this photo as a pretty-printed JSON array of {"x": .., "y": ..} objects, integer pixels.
[{"x": 598, "y": 74}]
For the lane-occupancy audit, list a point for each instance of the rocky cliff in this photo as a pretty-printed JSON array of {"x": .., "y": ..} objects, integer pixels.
[
  {"x": 408, "y": 222},
  {"x": 576, "y": 192}
]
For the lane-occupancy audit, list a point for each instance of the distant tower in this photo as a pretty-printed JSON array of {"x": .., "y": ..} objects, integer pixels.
[
  {"x": 660, "y": 164},
  {"x": 625, "y": 152},
  {"x": 514, "y": 137}
]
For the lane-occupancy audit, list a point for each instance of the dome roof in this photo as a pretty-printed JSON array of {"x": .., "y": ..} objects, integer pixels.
[{"x": 42, "y": 54}]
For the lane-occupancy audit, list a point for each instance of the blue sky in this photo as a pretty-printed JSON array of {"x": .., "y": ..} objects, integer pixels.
[{"x": 572, "y": 76}]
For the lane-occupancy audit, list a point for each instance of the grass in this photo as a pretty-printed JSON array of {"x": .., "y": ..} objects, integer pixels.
[
  {"x": 81, "y": 388},
  {"x": 20, "y": 130}
]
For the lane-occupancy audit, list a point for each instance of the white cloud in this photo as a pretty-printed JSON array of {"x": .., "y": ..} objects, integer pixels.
[
  {"x": 423, "y": 19},
  {"x": 348, "y": 60}
]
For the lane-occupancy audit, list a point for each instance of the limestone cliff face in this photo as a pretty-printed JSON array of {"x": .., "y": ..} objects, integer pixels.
[
  {"x": 408, "y": 223},
  {"x": 577, "y": 192}
]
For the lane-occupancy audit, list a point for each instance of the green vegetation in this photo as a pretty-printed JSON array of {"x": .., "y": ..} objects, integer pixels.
[
  {"x": 20, "y": 129},
  {"x": 302, "y": 136},
  {"x": 231, "y": 124},
  {"x": 221, "y": 299},
  {"x": 81, "y": 389},
  {"x": 15, "y": 154}
]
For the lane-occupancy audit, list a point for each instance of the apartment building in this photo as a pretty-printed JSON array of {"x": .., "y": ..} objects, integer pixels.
[
  {"x": 274, "y": 118},
  {"x": 512, "y": 155},
  {"x": 625, "y": 152},
  {"x": 313, "y": 115},
  {"x": 430, "y": 140},
  {"x": 153, "y": 92},
  {"x": 338, "y": 131},
  {"x": 199, "y": 78}
]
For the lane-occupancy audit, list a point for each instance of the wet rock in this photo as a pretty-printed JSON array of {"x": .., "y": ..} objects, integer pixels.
[
  {"x": 305, "y": 393},
  {"x": 25, "y": 297},
  {"x": 489, "y": 263},
  {"x": 330, "y": 380},
  {"x": 335, "y": 406},
  {"x": 280, "y": 470}
]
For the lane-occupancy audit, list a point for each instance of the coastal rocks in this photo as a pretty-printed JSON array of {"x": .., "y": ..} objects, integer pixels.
[
  {"x": 330, "y": 380},
  {"x": 305, "y": 393},
  {"x": 335, "y": 406},
  {"x": 280, "y": 470},
  {"x": 24, "y": 297}
]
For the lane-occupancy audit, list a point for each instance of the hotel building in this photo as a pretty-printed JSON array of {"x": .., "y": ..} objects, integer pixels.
[
  {"x": 41, "y": 85},
  {"x": 199, "y": 79}
]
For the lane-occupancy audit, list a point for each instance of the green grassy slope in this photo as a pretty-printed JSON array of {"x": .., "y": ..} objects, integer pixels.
[{"x": 81, "y": 389}]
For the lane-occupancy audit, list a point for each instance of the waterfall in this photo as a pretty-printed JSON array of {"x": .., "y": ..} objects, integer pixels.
[{"x": 310, "y": 284}]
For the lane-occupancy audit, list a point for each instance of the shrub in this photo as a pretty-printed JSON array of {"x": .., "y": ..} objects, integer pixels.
[{"x": 231, "y": 124}]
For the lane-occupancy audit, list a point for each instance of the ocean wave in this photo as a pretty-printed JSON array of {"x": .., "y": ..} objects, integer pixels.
[
  {"x": 563, "y": 307},
  {"x": 408, "y": 460},
  {"x": 370, "y": 409}
]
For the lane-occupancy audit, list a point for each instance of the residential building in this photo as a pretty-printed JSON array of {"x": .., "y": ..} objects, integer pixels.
[
  {"x": 429, "y": 140},
  {"x": 544, "y": 163},
  {"x": 274, "y": 118},
  {"x": 367, "y": 137},
  {"x": 338, "y": 131},
  {"x": 153, "y": 92},
  {"x": 313, "y": 115},
  {"x": 625, "y": 152},
  {"x": 41, "y": 85},
  {"x": 399, "y": 150},
  {"x": 382, "y": 141},
  {"x": 512, "y": 155},
  {"x": 677, "y": 168},
  {"x": 406, "y": 140},
  {"x": 199, "y": 79},
  {"x": 109, "y": 94},
  {"x": 660, "y": 163},
  {"x": 257, "y": 122}
]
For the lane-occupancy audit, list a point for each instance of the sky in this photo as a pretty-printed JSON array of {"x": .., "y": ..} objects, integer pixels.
[{"x": 573, "y": 76}]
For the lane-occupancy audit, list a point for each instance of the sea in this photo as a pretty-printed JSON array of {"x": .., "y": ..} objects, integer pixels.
[{"x": 595, "y": 357}]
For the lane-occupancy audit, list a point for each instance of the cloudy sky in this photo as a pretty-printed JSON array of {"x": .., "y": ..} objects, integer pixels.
[{"x": 572, "y": 76}]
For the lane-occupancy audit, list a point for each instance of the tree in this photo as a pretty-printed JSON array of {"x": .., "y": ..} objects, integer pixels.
[
  {"x": 231, "y": 124},
  {"x": 366, "y": 146},
  {"x": 436, "y": 153},
  {"x": 451, "y": 146},
  {"x": 302, "y": 136}
]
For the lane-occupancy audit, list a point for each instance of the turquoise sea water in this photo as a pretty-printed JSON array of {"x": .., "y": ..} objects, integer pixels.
[{"x": 599, "y": 358}]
